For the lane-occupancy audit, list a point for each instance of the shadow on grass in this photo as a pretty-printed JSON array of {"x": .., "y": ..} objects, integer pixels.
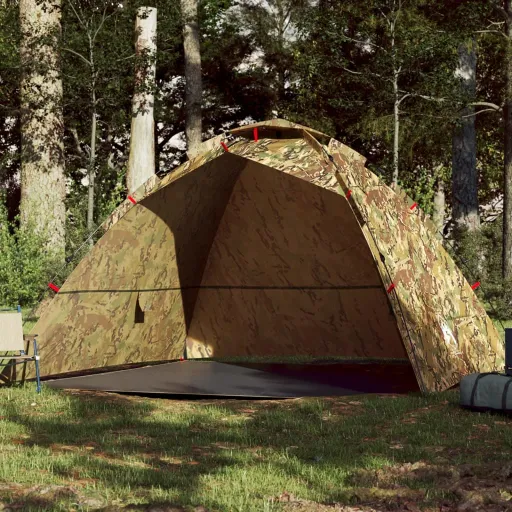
[{"x": 250, "y": 450}]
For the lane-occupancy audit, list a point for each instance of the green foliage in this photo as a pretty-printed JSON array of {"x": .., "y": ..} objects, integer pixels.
[
  {"x": 26, "y": 265},
  {"x": 479, "y": 257}
]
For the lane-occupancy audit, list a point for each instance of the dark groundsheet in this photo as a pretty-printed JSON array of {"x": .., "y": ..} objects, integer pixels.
[{"x": 255, "y": 380}]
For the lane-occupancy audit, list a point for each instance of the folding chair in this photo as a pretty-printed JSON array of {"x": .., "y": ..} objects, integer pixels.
[{"x": 12, "y": 344}]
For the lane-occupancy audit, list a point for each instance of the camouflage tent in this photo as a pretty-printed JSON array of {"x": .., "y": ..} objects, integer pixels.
[{"x": 281, "y": 244}]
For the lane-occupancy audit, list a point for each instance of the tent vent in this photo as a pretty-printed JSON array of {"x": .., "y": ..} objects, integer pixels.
[{"x": 139, "y": 314}]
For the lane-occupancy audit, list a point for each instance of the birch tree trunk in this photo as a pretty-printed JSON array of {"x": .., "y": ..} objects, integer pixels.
[
  {"x": 439, "y": 207},
  {"x": 193, "y": 87},
  {"x": 464, "y": 173},
  {"x": 397, "y": 100},
  {"x": 507, "y": 171},
  {"x": 91, "y": 173},
  {"x": 141, "y": 162},
  {"x": 396, "y": 132},
  {"x": 43, "y": 189}
]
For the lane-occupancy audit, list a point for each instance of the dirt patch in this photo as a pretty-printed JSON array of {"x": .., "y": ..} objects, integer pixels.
[
  {"x": 457, "y": 488},
  {"x": 43, "y": 497},
  {"x": 15, "y": 497}
]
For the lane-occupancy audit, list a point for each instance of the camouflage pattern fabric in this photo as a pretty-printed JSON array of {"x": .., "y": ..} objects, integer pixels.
[
  {"x": 281, "y": 246},
  {"x": 445, "y": 329}
]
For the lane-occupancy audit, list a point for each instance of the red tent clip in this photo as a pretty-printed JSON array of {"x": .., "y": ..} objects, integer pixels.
[
  {"x": 53, "y": 287},
  {"x": 391, "y": 287},
  {"x": 224, "y": 146},
  {"x": 413, "y": 206},
  {"x": 132, "y": 199},
  {"x": 255, "y": 132},
  {"x": 348, "y": 194},
  {"x": 475, "y": 285}
]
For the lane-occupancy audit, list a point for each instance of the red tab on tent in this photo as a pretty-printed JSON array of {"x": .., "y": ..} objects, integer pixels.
[
  {"x": 348, "y": 194},
  {"x": 391, "y": 287},
  {"x": 224, "y": 146},
  {"x": 132, "y": 199},
  {"x": 53, "y": 287},
  {"x": 413, "y": 206},
  {"x": 475, "y": 285},
  {"x": 255, "y": 132}
]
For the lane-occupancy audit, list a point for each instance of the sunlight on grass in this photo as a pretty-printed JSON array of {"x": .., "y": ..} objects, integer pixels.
[
  {"x": 230, "y": 455},
  {"x": 501, "y": 325}
]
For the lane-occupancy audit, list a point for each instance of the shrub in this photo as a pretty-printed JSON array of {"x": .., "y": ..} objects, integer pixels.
[
  {"x": 479, "y": 256},
  {"x": 25, "y": 264}
]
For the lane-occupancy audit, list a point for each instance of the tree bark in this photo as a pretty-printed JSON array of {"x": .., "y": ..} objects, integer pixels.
[
  {"x": 141, "y": 162},
  {"x": 397, "y": 100},
  {"x": 43, "y": 189},
  {"x": 396, "y": 132},
  {"x": 193, "y": 88},
  {"x": 507, "y": 171},
  {"x": 91, "y": 172},
  {"x": 439, "y": 207},
  {"x": 464, "y": 174}
]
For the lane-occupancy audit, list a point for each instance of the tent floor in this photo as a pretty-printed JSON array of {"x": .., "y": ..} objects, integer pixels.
[{"x": 255, "y": 380}]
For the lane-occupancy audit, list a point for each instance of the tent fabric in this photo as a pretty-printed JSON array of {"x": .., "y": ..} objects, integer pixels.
[
  {"x": 283, "y": 128},
  {"x": 278, "y": 247},
  {"x": 445, "y": 328}
]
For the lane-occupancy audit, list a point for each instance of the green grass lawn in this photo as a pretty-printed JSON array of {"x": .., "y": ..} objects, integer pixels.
[
  {"x": 28, "y": 320},
  {"x": 504, "y": 324},
  {"x": 89, "y": 451}
]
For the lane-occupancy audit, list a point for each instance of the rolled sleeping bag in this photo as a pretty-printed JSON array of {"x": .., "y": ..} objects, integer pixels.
[{"x": 487, "y": 391}]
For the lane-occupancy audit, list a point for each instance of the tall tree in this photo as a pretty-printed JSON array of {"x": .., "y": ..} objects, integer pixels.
[
  {"x": 507, "y": 178},
  {"x": 193, "y": 79},
  {"x": 379, "y": 70},
  {"x": 273, "y": 28},
  {"x": 91, "y": 24},
  {"x": 9, "y": 104},
  {"x": 465, "y": 212},
  {"x": 141, "y": 163},
  {"x": 43, "y": 189}
]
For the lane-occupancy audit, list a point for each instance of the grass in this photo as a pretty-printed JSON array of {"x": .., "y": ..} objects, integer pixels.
[
  {"x": 84, "y": 451},
  {"x": 501, "y": 325},
  {"x": 28, "y": 321}
]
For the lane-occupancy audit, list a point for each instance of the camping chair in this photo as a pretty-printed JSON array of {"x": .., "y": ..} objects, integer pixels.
[{"x": 12, "y": 342}]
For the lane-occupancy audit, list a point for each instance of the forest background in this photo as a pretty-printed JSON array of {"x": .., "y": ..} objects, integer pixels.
[{"x": 422, "y": 88}]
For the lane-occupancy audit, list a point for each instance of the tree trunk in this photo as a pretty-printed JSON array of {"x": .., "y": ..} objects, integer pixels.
[
  {"x": 507, "y": 172},
  {"x": 439, "y": 207},
  {"x": 464, "y": 173},
  {"x": 193, "y": 88},
  {"x": 141, "y": 162},
  {"x": 396, "y": 134},
  {"x": 43, "y": 189},
  {"x": 91, "y": 173},
  {"x": 396, "y": 103}
]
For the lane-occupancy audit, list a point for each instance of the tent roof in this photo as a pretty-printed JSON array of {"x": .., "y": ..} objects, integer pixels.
[{"x": 247, "y": 130}]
